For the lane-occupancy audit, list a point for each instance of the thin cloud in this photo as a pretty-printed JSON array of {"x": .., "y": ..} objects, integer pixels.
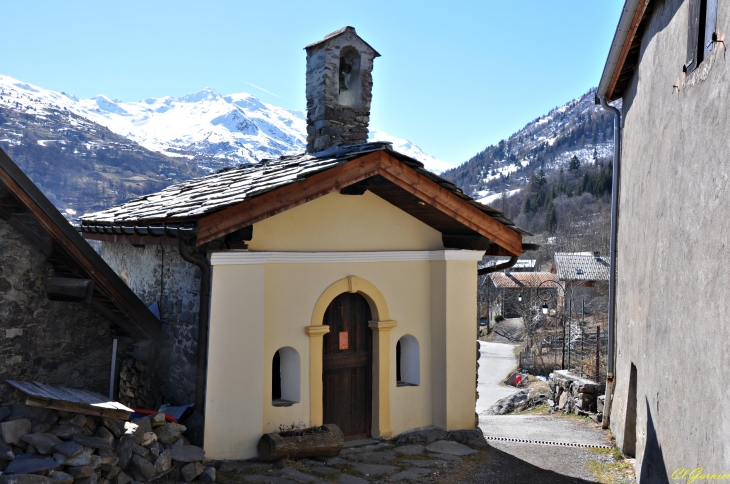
[{"x": 262, "y": 89}]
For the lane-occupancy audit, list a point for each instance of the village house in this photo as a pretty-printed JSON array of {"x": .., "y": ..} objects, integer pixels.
[
  {"x": 584, "y": 276},
  {"x": 336, "y": 286},
  {"x": 507, "y": 291},
  {"x": 668, "y": 64},
  {"x": 66, "y": 318}
]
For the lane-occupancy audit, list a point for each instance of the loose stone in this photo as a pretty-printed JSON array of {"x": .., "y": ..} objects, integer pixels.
[
  {"x": 93, "y": 442},
  {"x": 12, "y": 432},
  {"x": 69, "y": 449},
  {"x": 30, "y": 465},
  {"x": 191, "y": 471},
  {"x": 187, "y": 453},
  {"x": 44, "y": 443}
]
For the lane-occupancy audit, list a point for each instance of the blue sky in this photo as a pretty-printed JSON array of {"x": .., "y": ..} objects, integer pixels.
[{"x": 454, "y": 77}]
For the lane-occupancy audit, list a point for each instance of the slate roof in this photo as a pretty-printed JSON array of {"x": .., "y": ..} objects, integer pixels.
[
  {"x": 581, "y": 266},
  {"x": 518, "y": 280},
  {"x": 337, "y": 33},
  {"x": 188, "y": 201}
]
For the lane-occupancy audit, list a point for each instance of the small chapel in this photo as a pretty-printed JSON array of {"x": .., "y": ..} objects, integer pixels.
[{"x": 337, "y": 286}]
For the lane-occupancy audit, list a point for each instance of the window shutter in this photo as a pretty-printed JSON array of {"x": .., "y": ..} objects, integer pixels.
[
  {"x": 710, "y": 26},
  {"x": 692, "y": 35}
]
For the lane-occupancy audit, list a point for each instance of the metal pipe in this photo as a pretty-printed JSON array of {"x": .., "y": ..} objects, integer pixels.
[
  {"x": 496, "y": 268},
  {"x": 203, "y": 316},
  {"x": 618, "y": 125}
]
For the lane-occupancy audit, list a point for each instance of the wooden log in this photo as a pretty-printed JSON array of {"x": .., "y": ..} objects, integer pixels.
[
  {"x": 327, "y": 443},
  {"x": 68, "y": 289}
]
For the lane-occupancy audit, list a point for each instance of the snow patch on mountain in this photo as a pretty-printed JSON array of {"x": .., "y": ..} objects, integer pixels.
[{"x": 205, "y": 127}]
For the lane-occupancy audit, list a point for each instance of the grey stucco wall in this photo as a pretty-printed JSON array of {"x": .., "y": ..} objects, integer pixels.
[
  {"x": 58, "y": 343},
  {"x": 674, "y": 231},
  {"x": 158, "y": 273}
]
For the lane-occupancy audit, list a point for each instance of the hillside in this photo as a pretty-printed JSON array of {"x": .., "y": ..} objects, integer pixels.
[
  {"x": 82, "y": 166},
  {"x": 579, "y": 128}
]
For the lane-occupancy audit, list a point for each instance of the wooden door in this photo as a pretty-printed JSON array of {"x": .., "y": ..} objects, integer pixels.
[{"x": 347, "y": 366}]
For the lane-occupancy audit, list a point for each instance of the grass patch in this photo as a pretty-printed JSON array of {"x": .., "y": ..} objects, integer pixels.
[
  {"x": 612, "y": 468},
  {"x": 541, "y": 410}
]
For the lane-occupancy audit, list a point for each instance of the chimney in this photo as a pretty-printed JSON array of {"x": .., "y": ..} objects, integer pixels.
[{"x": 339, "y": 90}]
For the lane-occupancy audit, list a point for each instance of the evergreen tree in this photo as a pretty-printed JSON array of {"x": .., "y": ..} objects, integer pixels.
[
  {"x": 551, "y": 217},
  {"x": 574, "y": 164},
  {"x": 541, "y": 179}
]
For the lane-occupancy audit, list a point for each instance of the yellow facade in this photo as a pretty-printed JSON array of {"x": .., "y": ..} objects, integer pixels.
[{"x": 274, "y": 295}]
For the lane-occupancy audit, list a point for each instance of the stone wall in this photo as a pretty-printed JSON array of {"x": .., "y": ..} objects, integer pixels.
[
  {"x": 157, "y": 273},
  {"x": 572, "y": 394},
  {"x": 54, "y": 342},
  {"x": 672, "y": 303}
]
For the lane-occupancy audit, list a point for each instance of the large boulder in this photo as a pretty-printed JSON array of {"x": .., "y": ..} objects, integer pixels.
[
  {"x": 13, "y": 431},
  {"x": 169, "y": 433},
  {"x": 187, "y": 453}
]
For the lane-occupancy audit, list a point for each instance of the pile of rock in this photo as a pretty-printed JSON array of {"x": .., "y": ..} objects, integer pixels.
[
  {"x": 572, "y": 394},
  {"x": 519, "y": 401},
  {"x": 43, "y": 446},
  {"x": 135, "y": 385}
]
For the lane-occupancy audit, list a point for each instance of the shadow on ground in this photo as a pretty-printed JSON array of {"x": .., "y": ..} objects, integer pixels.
[{"x": 499, "y": 467}]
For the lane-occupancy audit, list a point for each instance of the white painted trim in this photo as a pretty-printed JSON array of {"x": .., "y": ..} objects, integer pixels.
[{"x": 246, "y": 257}]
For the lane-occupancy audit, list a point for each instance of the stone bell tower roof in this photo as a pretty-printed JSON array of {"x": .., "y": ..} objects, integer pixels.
[
  {"x": 339, "y": 90},
  {"x": 337, "y": 33}
]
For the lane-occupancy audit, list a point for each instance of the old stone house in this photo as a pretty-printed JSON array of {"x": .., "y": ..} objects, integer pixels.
[
  {"x": 668, "y": 64},
  {"x": 62, "y": 308},
  {"x": 336, "y": 286}
]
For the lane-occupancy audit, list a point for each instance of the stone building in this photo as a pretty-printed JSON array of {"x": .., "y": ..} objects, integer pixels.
[
  {"x": 668, "y": 64},
  {"x": 335, "y": 286},
  {"x": 61, "y": 306}
]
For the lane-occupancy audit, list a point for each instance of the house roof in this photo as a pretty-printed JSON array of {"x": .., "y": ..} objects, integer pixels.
[
  {"x": 581, "y": 266},
  {"x": 337, "y": 33},
  {"x": 218, "y": 204},
  {"x": 518, "y": 280},
  {"x": 623, "y": 56},
  {"x": 28, "y": 211}
]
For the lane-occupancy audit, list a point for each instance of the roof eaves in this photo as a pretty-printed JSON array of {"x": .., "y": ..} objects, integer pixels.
[{"x": 631, "y": 15}]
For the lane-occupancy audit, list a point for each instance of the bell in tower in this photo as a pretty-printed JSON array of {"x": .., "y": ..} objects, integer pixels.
[{"x": 339, "y": 90}]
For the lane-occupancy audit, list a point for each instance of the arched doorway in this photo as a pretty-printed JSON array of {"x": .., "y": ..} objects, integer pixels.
[{"x": 347, "y": 366}]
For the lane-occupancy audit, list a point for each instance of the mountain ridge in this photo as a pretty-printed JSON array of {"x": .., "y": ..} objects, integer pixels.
[{"x": 208, "y": 128}]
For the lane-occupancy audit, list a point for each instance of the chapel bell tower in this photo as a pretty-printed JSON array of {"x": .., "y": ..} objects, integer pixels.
[{"x": 339, "y": 90}]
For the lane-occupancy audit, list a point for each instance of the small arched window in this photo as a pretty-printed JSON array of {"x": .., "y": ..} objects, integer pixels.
[
  {"x": 285, "y": 377},
  {"x": 408, "y": 361},
  {"x": 349, "y": 78}
]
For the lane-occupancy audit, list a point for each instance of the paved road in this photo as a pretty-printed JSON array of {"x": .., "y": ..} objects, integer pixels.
[
  {"x": 527, "y": 462},
  {"x": 495, "y": 361}
]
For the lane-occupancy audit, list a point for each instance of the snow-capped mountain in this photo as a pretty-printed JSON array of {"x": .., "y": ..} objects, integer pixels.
[
  {"x": 579, "y": 128},
  {"x": 209, "y": 129}
]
